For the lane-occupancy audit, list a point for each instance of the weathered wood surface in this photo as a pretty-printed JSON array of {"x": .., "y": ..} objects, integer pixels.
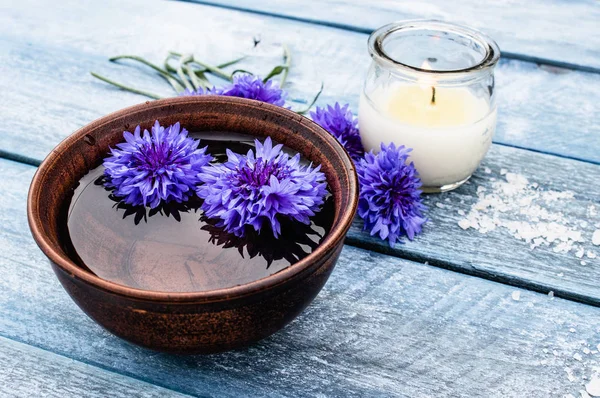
[
  {"x": 28, "y": 371},
  {"x": 501, "y": 254},
  {"x": 382, "y": 326},
  {"x": 557, "y": 31},
  {"x": 46, "y": 57}
]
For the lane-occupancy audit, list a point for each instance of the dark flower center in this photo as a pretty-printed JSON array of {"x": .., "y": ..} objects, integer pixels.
[{"x": 258, "y": 175}]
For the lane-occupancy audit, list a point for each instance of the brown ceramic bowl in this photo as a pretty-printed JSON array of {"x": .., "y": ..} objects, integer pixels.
[{"x": 206, "y": 321}]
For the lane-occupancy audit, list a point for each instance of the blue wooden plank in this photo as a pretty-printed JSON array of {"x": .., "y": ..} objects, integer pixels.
[
  {"x": 382, "y": 326},
  {"x": 28, "y": 371},
  {"x": 542, "y": 41},
  {"x": 545, "y": 109}
]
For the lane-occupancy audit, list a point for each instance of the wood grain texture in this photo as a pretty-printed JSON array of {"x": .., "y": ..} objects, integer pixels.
[
  {"x": 27, "y": 371},
  {"x": 46, "y": 57},
  {"x": 382, "y": 326},
  {"x": 557, "y": 31},
  {"x": 498, "y": 254}
]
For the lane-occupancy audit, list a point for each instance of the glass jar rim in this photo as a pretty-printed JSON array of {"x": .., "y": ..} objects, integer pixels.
[{"x": 376, "y": 49}]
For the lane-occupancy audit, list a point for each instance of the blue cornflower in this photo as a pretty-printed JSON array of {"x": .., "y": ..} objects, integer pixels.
[
  {"x": 160, "y": 166},
  {"x": 390, "y": 199},
  {"x": 257, "y": 189},
  {"x": 247, "y": 86},
  {"x": 342, "y": 124}
]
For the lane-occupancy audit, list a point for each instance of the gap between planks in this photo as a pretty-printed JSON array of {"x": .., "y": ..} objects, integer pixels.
[
  {"x": 94, "y": 364},
  {"x": 461, "y": 268},
  {"x": 359, "y": 29}
]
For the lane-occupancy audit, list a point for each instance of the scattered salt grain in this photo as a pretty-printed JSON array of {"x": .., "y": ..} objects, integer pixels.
[
  {"x": 561, "y": 274},
  {"x": 545, "y": 350},
  {"x": 596, "y": 237},
  {"x": 487, "y": 170},
  {"x": 580, "y": 252},
  {"x": 593, "y": 387},
  {"x": 464, "y": 223},
  {"x": 461, "y": 212},
  {"x": 582, "y": 262},
  {"x": 572, "y": 330},
  {"x": 570, "y": 374},
  {"x": 440, "y": 205},
  {"x": 591, "y": 254},
  {"x": 512, "y": 204},
  {"x": 577, "y": 356},
  {"x": 551, "y": 294},
  {"x": 516, "y": 295},
  {"x": 586, "y": 350}
]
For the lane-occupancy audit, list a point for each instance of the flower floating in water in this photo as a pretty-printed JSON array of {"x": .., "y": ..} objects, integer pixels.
[
  {"x": 247, "y": 86},
  {"x": 155, "y": 167},
  {"x": 390, "y": 200},
  {"x": 256, "y": 189},
  {"x": 342, "y": 124}
]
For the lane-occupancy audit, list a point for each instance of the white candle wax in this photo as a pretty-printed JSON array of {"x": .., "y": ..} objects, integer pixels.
[{"x": 449, "y": 136}]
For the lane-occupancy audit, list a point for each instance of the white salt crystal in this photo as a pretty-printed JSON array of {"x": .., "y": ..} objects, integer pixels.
[
  {"x": 577, "y": 356},
  {"x": 582, "y": 262},
  {"x": 440, "y": 205},
  {"x": 596, "y": 237},
  {"x": 570, "y": 374},
  {"x": 516, "y": 295},
  {"x": 591, "y": 254},
  {"x": 580, "y": 252},
  {"x": 555, "y": 353},
  {"x": 561, "y": 274},
  {"x": 586, "y": 350},
  {"x": 461, "y": 212},
  {"x": 551, "y": 294},
  {"x": 464, "y": 224},
  {"x": 572, "y": 330},
  {"x": 487, "y": 170},
  {"x": 593, "y": 387},
  {"x": 545, "y": 350},
  {"x": 503, "y": 171}
]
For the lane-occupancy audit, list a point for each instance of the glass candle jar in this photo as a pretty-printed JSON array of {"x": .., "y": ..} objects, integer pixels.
[{"x": 430, "y": 87}]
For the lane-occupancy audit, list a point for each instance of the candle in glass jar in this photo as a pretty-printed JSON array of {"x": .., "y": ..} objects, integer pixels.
[
  {"x": 430, "y": 87},
  {"x": 449, "y": 137}
]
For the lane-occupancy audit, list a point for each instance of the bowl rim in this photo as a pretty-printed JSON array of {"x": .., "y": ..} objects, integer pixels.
[{"x": 330, "y": 243}]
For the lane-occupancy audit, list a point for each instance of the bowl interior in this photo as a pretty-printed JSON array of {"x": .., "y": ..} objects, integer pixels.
[{"x": 83, "y": 150}]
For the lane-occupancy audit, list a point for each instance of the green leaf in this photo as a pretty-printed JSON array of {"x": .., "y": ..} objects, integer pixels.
[
  {"x": 241, "y": 71},
  {"x": 302, "y": 112},
  {"x": 274, "y": 72}
]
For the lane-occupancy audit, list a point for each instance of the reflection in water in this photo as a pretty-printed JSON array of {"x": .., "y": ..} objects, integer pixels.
[{"x": 173, "y": 248}]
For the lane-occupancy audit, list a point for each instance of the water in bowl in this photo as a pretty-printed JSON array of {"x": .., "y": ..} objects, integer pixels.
[{"x": 175, "y": 248}]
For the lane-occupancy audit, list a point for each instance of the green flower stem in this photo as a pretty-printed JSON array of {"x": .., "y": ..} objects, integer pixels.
[
  {"x": 157, "y": 68},
  {"x": 173, "y": 81},
  {"x": 182, "y": 61},
  {"x": 124, "y": 87},
  {"x": 197, "y": 83},
  {"x": 215, "y": 70},
  {"x": 287, "y": 58},
  {"x": 302, "y": 112}
]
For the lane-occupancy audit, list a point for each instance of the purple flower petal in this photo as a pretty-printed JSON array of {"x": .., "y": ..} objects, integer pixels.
[
  {"x": 257, "y": 188},
  {"x": 390, "y": 199},
  {"x": 342, "y": 124},
  {"x": 158, "y": 166}
]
